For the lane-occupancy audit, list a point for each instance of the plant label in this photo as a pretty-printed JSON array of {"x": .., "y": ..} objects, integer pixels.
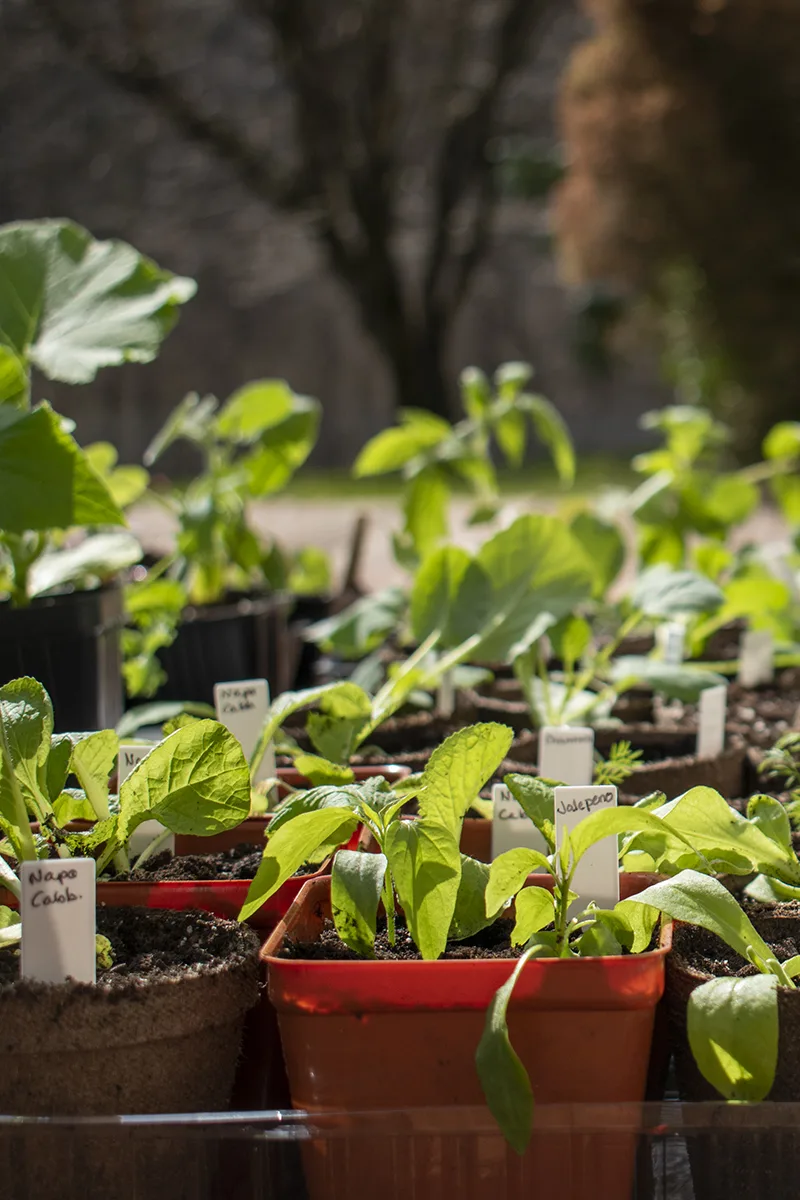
[
  {"x": 671, "y": 639},
  {"x": 446, "y": 695},
  {"x": 566, "y": 754},
  {"x": 510, "y": 825},
  {"x": 756, "y": 658},
  {"x": 711, "y": 721},
  {"x": 58, "y": 920},
  {"x": 129, "y": 758},
  {"x": 242, "y": 707},
  {"x": 597, "y": 875}
]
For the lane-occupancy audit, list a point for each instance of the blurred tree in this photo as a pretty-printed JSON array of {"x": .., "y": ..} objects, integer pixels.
[
  {"x": 362, "y": 100},
  {"x": 682, "y": 119}
]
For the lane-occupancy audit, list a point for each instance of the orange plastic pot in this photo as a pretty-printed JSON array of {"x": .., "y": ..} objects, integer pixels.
[
  {"x": 253, "y": 830},
  {"x": 367, "y": 1036}
]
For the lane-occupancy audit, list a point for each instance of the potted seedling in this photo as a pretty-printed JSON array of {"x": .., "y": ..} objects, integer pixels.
[
  {"x": 234, "y": 622},
  {"x": 93, "y": 304}
]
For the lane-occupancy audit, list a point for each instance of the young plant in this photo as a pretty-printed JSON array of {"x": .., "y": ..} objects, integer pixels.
[
  {"x": 250, "y": 446},
  {"x": 69, "y": 305},
  {"x": 195, "y": 782},
  {"x": 781, "y": 764},
  {"x": 435, "y": 457}
]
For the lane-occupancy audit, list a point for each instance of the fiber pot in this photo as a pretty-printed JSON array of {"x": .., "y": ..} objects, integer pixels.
[
  {"x": 163, "y": 1044},
  {"x": 760, "y": 1163},
  {"x": 71, "y": 643},
  {"x": 245, "y": 637},
  {"x": 366, "y": 1036}
]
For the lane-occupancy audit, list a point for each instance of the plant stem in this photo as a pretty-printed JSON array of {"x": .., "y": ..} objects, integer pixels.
[
  {"x": 158, "y": 841},
  {"x": 388, "y": 905}
]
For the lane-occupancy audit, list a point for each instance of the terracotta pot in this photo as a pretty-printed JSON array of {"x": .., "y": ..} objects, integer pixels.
[
  {"x": 365, "y": 1036},
  {"x": 253, "y": 830}
]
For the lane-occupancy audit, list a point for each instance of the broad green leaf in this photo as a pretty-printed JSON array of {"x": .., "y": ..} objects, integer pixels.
[
  {"x": 570, "y": 638},
  {"x": 57, "y": 765},
  {"x": 732, "y": 1025},
  {"x": 604, "y": 548},
  {"x": 783, "y": 441},
  {"x": 770, "y": 816},
  {"x": 127, "y": 484},
  {"x": 598, "y": 941},
  {"x": 425, "y": 864},
  {"x": 154, "y": 596},
  {"x": 72, "y": 805},
  {"x": 425, "y": 507},
  {"x": 47, "y": 482},
  {"x": 701, "y": 900},
  {"x": 534, "y": 908},
  {"x": 537, "y": 800},
  {"x": 356, "y": 884},
  {"x": 511, "y": 433},
  {"x": 470, "y": 916},
  {"x": 99, "y": 556},
  {"x": 437, "y": 601},
  {"x": 551, "y": 429},
  {"x": 662, "y": 592},
  {"x": 334, "y": 738},
  {"x": 93, "y": 760},
  {"x": 292, "y": 845},
  {"x": 291, "y": 702},
  {"x": 683, "y": 682},
  {"x": 347, "y": 701},
  {"x": 283, "y": 448},
  {"x": 613, "y": 821},
  {"x": 255, "y": 408},
  {"x": 731, "y": 499},
  {"x": 71, "y": 305},
  {"x": 476, "y": 392},
  {"x": 320, "y": 771},
  {"x": 26, "y": 726},
  {"x": 640, "y": 921},
  {"x": 13, "y": 379},
  {"x": 393, "y": 448},
  {"x": 196, "y": 781},
  {"x": 507, "y": 876},
  {"x": 348, "y": 796},
  {"x": 458, "y": 769},
  {"x": 770, "y": 891},
  {"x": 504, "y": 1080},
  {"x": 362, "y": 627}
]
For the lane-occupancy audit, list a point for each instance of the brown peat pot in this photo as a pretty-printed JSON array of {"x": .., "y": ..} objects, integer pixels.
[{"x": 367, "y": 1036}]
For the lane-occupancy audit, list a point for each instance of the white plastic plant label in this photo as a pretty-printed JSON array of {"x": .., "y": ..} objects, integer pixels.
[
  {"x": 671, "y": 640},
  {"x": 711, "y": 721},
  {"x": 130, "y": 756},
  {"x": 510, "y": 825},
  {"x": 58, "y": 920},
  {"x": 756, "y": 658},
  {"x": 446, "y": 695},
  {"x": 566, "y": 754},
  {"x": 597, "y": 874},
  {"x": 242, "y": 708}
]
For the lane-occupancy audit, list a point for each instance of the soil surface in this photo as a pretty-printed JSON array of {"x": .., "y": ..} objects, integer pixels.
[
  {"x": 241, "y": 862},
  {"x": 779, "y": 926},
  {"x": 493, "y": 942},
  {"x": 150, "y": 943}
]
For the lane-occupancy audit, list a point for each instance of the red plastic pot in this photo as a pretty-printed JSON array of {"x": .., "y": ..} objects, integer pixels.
[
  {"x": 253, "y": 830},
  {"x": 366, "y": 1036}
]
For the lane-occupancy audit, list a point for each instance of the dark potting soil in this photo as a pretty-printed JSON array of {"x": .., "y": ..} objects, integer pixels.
[
  {"x": 492, "y": 942},
  {"x": 152, "y": 943},
  {"x": 240, "y": 862},
  {"x": 779, "y": 926}
]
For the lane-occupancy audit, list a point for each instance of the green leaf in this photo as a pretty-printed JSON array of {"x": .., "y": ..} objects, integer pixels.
[
  {"x": 598, "y": 940},
  {"x": 770, "y": 816},
  {"x": 320, "y": 771},
  {"x": 47, "y": 482},
  {"x": 731, "y": 499},
  {"x": 425, "y": 863},
  {"x": 535, "y": 909},
  {"x": 508, "y": 873},
  {"x": 504, "y": 1080},
  {"x": 610, "y": 822},
  {"x": 349, "y": 796},
  {"x": 72, "y": 805},
  {"x": 701, "y": 900},
  {"x": 783, "y": 441},
  {"x": 537, "y": 800},
  {"x": 310, "y": 572},
  {"x": 393, "y": 448},
  {"x": 57, "y": 766},
  {"x": 292, "y": 845},
  {"x": 99, "y": 556},
  {"x": 291, "y": 702},
  {"x": 191, "y": 420},
  {"x": 26, "y": 726},
  {"x": 425, "y": 507},
  {"x": 255, "y": 408},
  {"x": 126, "y": 484},
  {"x": 469, "y": 916},
  {"x": 196, "y": 781},
  {"x": 458, "y": 769},
  {"x": 335, "y": 738},
  {"x": 511, "y": 433},
  {"x": 552, "y": 430},
  {"x": 662, "y": 592},
  {"x": 604, "y": 548},
  {"x": 437, "y": 602},
  {"x": 362, "y": 627},
  {"x": 356, "y": 885},
  {"x": 71, "y": 305},
  {"x": 93, "y": 760},
  {"x": 283, "y": 448},
  {"x": 476, "y": 392},
  {"x": 159, "y": 712},
  {"x": 683, "y": 682},
  {"x": 13, "y": 379},
  {"x": 640, "y": 921},
  {"x": 732, "y": 1025},
  {"x": 570, "y": 638}
]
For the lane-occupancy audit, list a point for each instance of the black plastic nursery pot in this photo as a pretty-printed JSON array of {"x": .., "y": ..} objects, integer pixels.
[
  {"x": 71, "y": 644},
  {"x": 244, "y": 637},
  {"x": 762, "y": 1162}
]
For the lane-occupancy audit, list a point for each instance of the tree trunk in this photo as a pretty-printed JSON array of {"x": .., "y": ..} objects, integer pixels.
[{"x": 416, "y": 365}]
